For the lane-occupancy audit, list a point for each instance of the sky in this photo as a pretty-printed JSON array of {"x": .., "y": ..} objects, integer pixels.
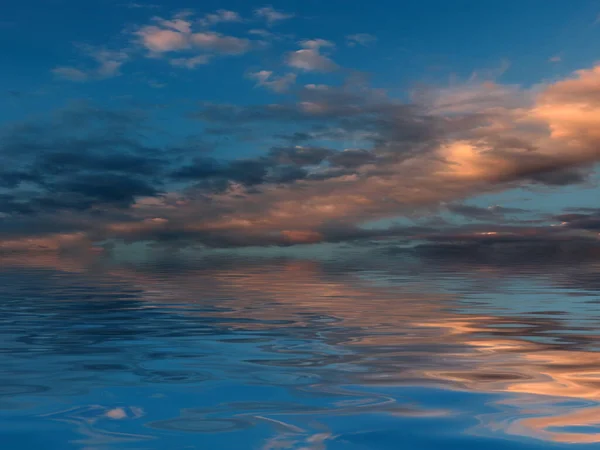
[{"x": 438, "y": 126}]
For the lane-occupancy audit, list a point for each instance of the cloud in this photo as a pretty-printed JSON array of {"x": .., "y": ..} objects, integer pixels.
[
  {"x": 135, "y": 5},
  {"x": 301, "y": 156},
  {"x": 219, "y": 43},
  {"x": 71, "y": 74},
  {"x": 108, "y": 65},
  {"x": 401, "y": 159},
  {"x": 220, "y": 16},
  {"x": 352, "y": 158},
  {"x": 49, "y": 243},
  {"x": 265, "y": 34},
  {"x": 161, "y": 40},
  {"x": 498, "y": 146},
  {"x": 362, "y": 39},
  {"x": 271, "y": 15},
  {"x": 81, "y": 159},
  {"x": 310, "y": 58},
  {"x": 505, "y": 247},
  {"x": 266, "y": 79},
  {"x": 580, "y": 221},
  {"x": 176, "y": 35},
  {"x": 478, "y": 213},
  {"x": 192, "y": 62},
  {"x": 555, "y": 59}
]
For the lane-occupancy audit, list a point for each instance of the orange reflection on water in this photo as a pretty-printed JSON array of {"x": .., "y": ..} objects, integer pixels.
[{"x": 402, "y": 334}]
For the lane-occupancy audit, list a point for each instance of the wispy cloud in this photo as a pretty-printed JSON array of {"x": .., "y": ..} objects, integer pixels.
[
  {"x": 267, "y": 79},
  {"x": 192, "y": 62},
  {"x": 107, "y": 65},
  {"x": 272, "y": 15},
  {"x": 137, "y": 5},
  {"x": 177, "y": 34},
  {"x": 220, "y": 16},
  {"x": 363, "y": 39},
  {"x": 310, "y": 57}
]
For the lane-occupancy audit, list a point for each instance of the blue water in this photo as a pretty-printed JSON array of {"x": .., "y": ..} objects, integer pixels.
[{"x": 375, "y": 353}]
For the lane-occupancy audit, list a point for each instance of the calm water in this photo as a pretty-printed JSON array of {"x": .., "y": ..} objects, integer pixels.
[{"x": 379, "y": 352}]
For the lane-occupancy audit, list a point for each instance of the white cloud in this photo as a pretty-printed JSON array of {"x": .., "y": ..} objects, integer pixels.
[
  {"x": 266, "y": 79},
  {"x": 271, "y": 15},
  {"x": 363, "y": 39},
  {"x": 310, "y": 58}
]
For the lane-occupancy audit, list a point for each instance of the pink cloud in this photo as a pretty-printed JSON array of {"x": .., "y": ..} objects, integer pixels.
[{"x": 310, "y": 58}]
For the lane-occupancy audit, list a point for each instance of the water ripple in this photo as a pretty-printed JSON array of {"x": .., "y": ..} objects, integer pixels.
[{"x": 283, "y": 353}]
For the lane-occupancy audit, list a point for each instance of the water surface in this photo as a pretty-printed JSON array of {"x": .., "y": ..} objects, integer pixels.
[{"x": 280, "y": 353}]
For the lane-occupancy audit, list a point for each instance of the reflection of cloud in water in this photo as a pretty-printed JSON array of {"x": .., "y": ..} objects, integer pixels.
[
  {"x": 344, "y": 328},
  {"x": 92, "y": 422},
  {"x": 407, "y": 337}
]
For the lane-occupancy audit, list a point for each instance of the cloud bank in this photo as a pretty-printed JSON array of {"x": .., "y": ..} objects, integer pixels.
[{"x": 87, "y": 176}]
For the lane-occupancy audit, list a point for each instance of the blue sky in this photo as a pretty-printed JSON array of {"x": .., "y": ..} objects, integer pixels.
[
  {"x": 424, "y": 41},
  {"x": 233, "y": 124}
]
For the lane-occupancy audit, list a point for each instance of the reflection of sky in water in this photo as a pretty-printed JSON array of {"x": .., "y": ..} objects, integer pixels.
[{"x": 281, "y": 353}]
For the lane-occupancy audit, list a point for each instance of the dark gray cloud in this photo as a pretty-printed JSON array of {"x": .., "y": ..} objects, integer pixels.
[
  {"x": 581, "y": 221},
  {"x": 200, "y": 168},
  {"x": 352, "y": 158},
  {"x": 106, "y": 188},
  {"x": 514, "y": 247},
  {"x": 248, "y": 172},
  {"x": 287, "y": 174},
  {"x": 79, "y": 158},
  {"x": 295, "y": 138}
]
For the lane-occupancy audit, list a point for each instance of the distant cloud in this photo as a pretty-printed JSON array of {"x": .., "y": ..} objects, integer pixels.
[
  {"x": 135, "y": 5},
  {"x": 220, "y": 16},
  {"x": 192, "y": 62},
  {"x": 177, "y": 35},
  {"x": 362, "y": 39},
  {"x": 156, "y": 84},
  {"x": 262, "y": 33},
  {"x": 161, "y": 40},
  {"x": 555, "y": 59},
  {"x": 271, "y": 15},
  {"x": 219, "y": 43},
  {"x": 266, "y": 79},
  {"x": 108, "y": 65},
  {"x": 269, "y": 36},
  {"x": 310, "y": 58},
  {"x": 71, "y": 74}
]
